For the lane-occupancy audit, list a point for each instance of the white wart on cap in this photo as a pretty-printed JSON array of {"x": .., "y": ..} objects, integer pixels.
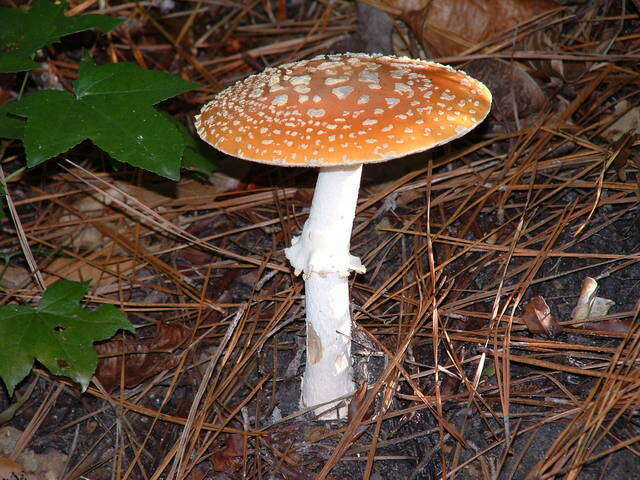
[{"x": 342, "y": 110}]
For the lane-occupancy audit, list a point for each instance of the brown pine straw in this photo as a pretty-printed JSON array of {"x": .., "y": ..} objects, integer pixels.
[{"x": 455, "y": 248}]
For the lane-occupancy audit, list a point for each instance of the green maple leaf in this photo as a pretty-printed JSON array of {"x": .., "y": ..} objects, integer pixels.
[
  {"x": 113, "y": 107},
  {"x": 59, "y": 334},
  {"x": 10, "y": 127},
  {"x": 22, "y": 32},
  {"x": 198, "y": 156}
]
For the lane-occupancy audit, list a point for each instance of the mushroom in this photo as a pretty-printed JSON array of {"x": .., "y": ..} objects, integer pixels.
[{"x": 338, "y": 112}]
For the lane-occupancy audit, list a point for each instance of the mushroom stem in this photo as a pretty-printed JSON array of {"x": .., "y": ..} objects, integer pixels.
[
  {"x": 322, "y": 253},
  {"x": 328, "y": 374}
]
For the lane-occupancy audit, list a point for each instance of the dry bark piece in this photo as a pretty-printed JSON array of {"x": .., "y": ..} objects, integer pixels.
[
  {"x": 143, "y": 359},
  {"x": 538, "y": 317},
  {"x": 338, "y": 112}
]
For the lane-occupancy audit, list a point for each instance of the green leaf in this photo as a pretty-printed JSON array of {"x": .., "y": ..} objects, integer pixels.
[
  {"x": 113, "y": 107},
  {"x": 129, "y": 82},
  {"x": 3, "y": 194},
  {"x": 22, "y": 32},
  {"x": 59, "y": 334},
  {"x": 197, "y": 156},
  {"x": 10, "y": 127}
]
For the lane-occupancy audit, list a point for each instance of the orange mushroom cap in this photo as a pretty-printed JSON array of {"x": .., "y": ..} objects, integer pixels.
[{"x": 343, "y": 109}]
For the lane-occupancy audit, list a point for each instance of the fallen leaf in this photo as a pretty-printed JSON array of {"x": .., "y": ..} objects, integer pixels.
[
  {"x": 538, "y": 317},
  {"x": 295, "y": 472},
  {"x": 624, "y": 154},
  {"x": 627, "y": 123},
  {"x": 98, "y": 274},
  {"x": 611, "y": 326},
  {"x": 448, "y": 27},
  {"x": 356, "y": 403},
  {"x": 14, "y": 277},
  {"x": 143, "y": 359},
  {"x": 230, "y": 458},
  {"x": 518, "y": 100},
  {"x": 201, "y": 471},
  {"x": 84, "y": 235},
  {"x": 195, "y": 256},
  {"x": 569, "y": 35},
  {"x": 46, "y": 465},
  {"x": 450, "y": 385},
  {"x": 10, "y": 470}
]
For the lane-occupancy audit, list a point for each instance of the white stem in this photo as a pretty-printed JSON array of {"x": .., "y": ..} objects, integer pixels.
[
  {"x": 322, "y": 253},
  {"x": 328, "y": 374}
]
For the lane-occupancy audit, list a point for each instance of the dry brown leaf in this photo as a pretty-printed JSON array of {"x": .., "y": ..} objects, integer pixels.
[
  {"x": 448, "y": 27},
  {"x": 624, "y": 153},
  {"x": 592, "y": 37},
  {"x": 49, "y": 464},
  {"x": 195, "y": 256},
  {"x": 74, "y": 269},
  {"x": 142, "y": 359},
  {"x": 356, "y": 403},
  {"x": 201, "y": 471},
  {"x": 14, "y": 277},
  {"x": 83, "y": 234},
  {"x": 611, "y": 326},
  {"x": 230, "y": 458},
  {"x": 627, "y": 123},
  {"x": 538, "y": 317},
  {"x": 154, "y": 194},
  {"x": 186, "y": 192},
  {"x": 518, "y": 100},
  {"x": 450, "y": 385},
  {"x": 10, "y": 470},
  {"x": 296, "y": 473}
]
